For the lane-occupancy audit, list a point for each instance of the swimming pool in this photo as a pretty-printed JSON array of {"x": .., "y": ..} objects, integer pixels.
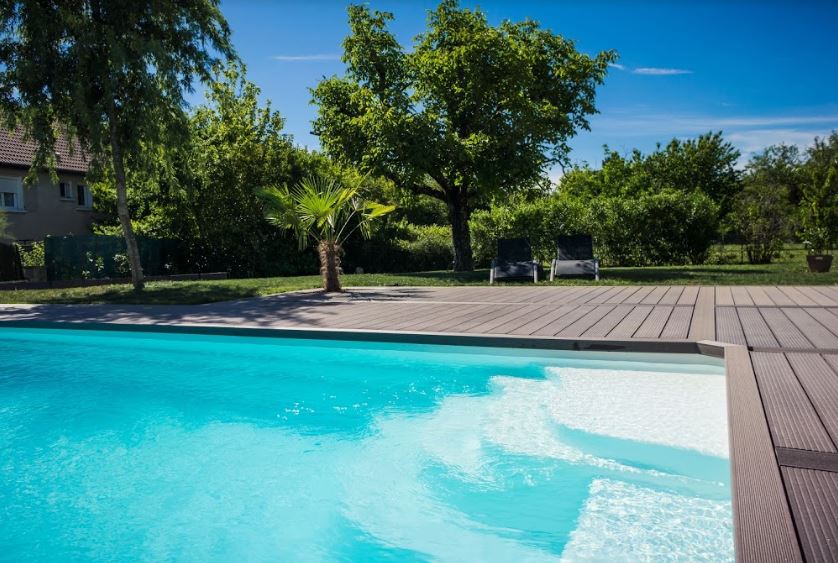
[{"x": 126, "y": 445}]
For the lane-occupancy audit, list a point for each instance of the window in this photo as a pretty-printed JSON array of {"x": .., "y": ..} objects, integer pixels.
[
  {"x": 83, "y": 197},
  {"x": 65, "y": 189},
  {"x": 11, "y": 194}
]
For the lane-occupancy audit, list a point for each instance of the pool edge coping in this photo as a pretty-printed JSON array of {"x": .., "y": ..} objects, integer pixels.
[{"x": 764, "y": 529}]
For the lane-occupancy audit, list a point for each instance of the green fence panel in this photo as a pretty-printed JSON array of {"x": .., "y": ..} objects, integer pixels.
[
  {"x": 10, "y": 268},
  {"x": 101, "y": 256}
]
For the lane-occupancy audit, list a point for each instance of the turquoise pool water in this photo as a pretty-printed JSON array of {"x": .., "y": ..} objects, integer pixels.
[{"x": 124, "y": 446}]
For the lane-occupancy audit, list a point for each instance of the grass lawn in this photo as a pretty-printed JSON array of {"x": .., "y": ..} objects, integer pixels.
[{"x": 790, "y": 268}]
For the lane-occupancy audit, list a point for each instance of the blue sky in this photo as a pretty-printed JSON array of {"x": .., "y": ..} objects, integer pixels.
[{"x": 762, "y": 72}]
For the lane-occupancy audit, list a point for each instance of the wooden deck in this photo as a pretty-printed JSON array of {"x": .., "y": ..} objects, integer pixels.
[{"x": 786, "y": 367}]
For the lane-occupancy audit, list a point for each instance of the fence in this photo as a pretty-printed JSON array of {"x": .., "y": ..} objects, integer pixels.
[
  {"x": 100, "y": 256},
  {"x": 10, "y": 267}
]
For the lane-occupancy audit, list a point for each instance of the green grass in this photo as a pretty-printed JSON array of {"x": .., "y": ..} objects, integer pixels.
[{"x": 789, "y": 269}]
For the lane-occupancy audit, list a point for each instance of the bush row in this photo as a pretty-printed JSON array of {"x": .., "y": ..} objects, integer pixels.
[{"x": 667, "y": 227}]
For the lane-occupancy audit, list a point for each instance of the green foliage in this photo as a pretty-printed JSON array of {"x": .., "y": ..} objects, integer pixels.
[
  {"x": 762, "y": 211},
  {"x": 541, "y": 221},
  {"x": 706, "y": 164},
  {"x": 3, "y": 225},
  {"x": 668, "y": 227},
  {"x": 110, "y": 75},
  {"x": 470, "y": 112},
  {"x": 33, "y": 256},
  {"x": 819, "y": 205},
  {"x": 778, "y": 165},
  {"x": 204, "y": 191},
  {"x": 402, "y": 247},
  {"x": 324, "y": 211},
  {"x": 761, "y": 216},
  {"x": 319, "y": 209}
]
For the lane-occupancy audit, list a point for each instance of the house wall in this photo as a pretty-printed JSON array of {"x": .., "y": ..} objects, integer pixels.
[{"x": 45, "y": 212}]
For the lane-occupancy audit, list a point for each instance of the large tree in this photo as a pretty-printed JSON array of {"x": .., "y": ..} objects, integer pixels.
[
  {"x": 109, "y": 73},
  {"x": 472, "y": 112}
]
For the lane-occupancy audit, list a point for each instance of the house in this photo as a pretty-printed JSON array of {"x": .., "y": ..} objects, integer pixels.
[{"x": 43, "y": 208}]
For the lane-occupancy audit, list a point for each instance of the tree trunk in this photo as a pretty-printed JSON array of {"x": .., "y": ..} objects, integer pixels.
[
  {"x": 330, "y": 265},
  {"x": 458, "y": 214},
  {"x": 122, "y": 210}
]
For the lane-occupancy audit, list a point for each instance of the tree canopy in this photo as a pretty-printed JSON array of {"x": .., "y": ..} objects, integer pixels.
[
  {"x": 109, "y": 73},
  {"x": 707, "y": 163},
  {"x": 473, "y": 111}
]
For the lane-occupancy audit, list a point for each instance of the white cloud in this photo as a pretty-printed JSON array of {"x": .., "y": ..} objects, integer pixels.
[
  {"x": 750, "y": 134},
  {"x": 312, "y": 57},
  {"x": 617, "y": 66},
  {"x": 655, "y": 71}
]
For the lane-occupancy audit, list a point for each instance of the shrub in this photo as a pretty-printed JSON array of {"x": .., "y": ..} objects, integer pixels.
[
  {"x": 541, "y": 221},
  {"x": 761, "y": 216},
  {"x": 401, "y": 247},
  {"x": 667, "y": 227},
  {"x": 33, "y": 256}
]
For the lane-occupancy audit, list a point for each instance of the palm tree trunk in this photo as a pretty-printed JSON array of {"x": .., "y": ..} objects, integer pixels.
[
  {"x": 330, "y": 265},
  {"x": 122, "y": 210}
]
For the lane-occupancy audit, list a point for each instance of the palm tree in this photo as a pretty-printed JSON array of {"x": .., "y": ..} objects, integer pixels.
[{"x": 326, "y": 212}]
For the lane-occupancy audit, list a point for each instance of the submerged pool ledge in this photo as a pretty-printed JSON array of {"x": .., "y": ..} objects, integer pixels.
[{"x": 763, "y": 526}]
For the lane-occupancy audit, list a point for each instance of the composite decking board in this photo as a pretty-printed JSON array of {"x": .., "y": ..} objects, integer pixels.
[
  {"x": 785, "y": 331},
  {"x": 763, "y": 529},
  {"x": 814, "y": 331},
  {"x": 807, "y": 459},
  {"x": 724, "y": 296},
  {"x": 759, "y": 296},
  {"x": 703, "y": 323},
  {"x": 779, "y": 298},
  {"x": 830, "y": 292},
  {"x": 654, "y": 297},
  {"x": 407, "y": 321},
  {"x": 728, "y": 326},
  {"x": 825, "y": 317},
  {"x": 689, "y": 295},
  {"x": 757, "y": 332},
  {"x": 795, "y": 295},
  {"x": 627, "y": 292},
  {"x": 589, "y": 296},
  {"x": 654, "y": 323},
  {"x": 503, "y": 322},
  {"x": 741, "y": 297},
  {"x": 672, "y": 295},
  {"x": 791, "y": 415},
  {"x": 579, "y": 326},
  {"x": 817, "y": 297},
  {"x": 813, "y": 496},
  {"x": 437, "y": 323},
  {"x": 607, "y": 323},
  {"x": 678, "y": 325},
  {"x": 527, "y": 324},
  {"x": 639, "y": 295},
  {"x": 832, "y": 360},
  {"x": 533, "y": 323},
  {"x": 482, "y": 318},
  {"x": 553, "y": 328},
  {"x": 385, "y": 315},
  {"x": 497, "y": 316},
  {"x": 603, "y": 295},
  {"x": 629, "y": 325},
  {"x": 821, "y": 385}
]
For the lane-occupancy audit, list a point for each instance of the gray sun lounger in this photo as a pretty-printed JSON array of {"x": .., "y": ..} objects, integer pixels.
[
  {"x": 514, "y": 261},
  {"x": 575, "y": 257}
]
